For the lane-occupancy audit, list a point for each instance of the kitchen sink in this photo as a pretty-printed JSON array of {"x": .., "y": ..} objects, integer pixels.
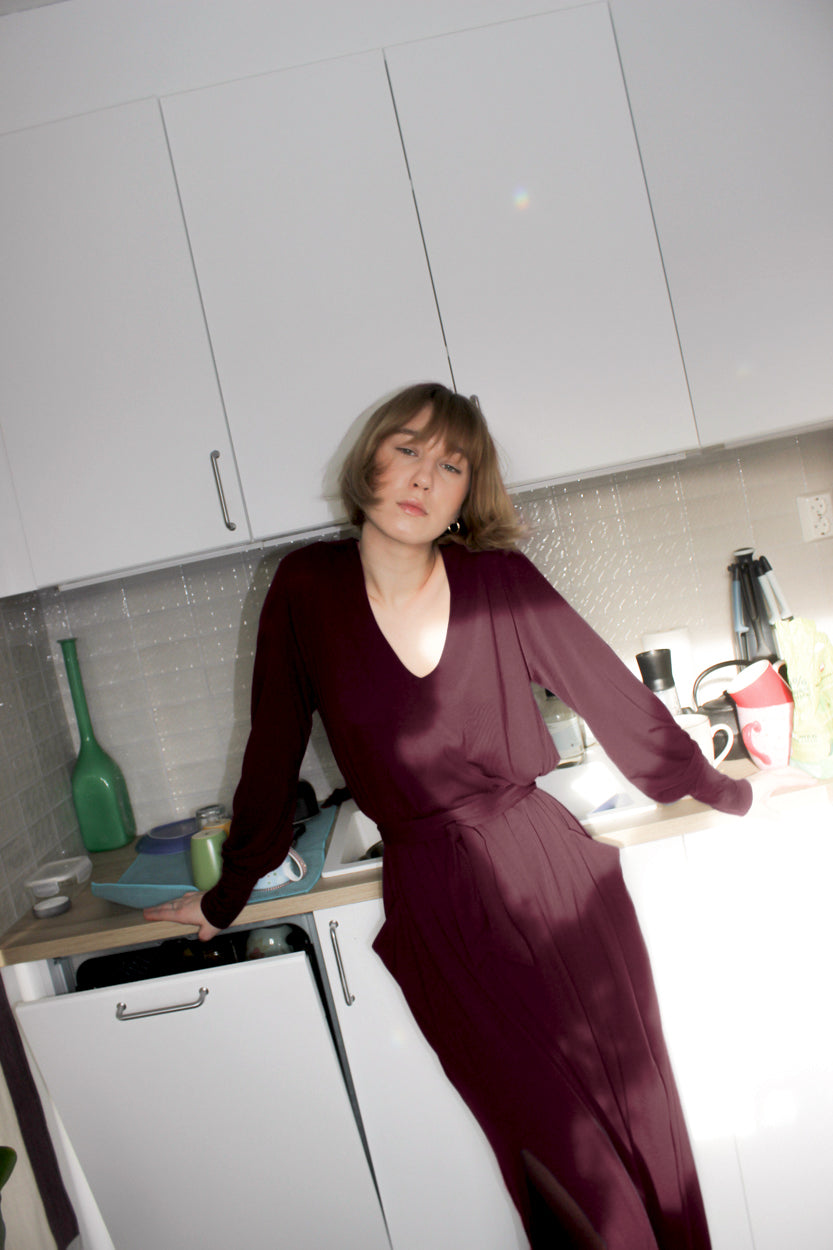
[
  {"x": 353, "y": 834},
  {"x": 595, "y": 791}
]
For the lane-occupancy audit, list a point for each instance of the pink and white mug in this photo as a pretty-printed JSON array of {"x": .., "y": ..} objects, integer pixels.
[
  {"x": 765, "y": 714},
  {"x": 767, "y": 734}
]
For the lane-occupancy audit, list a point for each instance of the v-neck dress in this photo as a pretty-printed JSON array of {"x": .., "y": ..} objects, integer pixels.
[{"x": 508, "y": 928}]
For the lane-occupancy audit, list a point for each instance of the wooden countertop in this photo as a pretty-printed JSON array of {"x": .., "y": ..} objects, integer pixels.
[{"x": 93, "y": 924}]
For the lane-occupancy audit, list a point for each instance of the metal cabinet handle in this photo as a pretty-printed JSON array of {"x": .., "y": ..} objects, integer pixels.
[
  {"x": 345, "y": 988},
  {"x": 123, "y": 1014},
  {"x": 229, "y": 524}
]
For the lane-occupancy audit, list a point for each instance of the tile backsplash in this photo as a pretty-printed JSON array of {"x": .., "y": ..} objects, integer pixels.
[{"x": 166, "y": 656}]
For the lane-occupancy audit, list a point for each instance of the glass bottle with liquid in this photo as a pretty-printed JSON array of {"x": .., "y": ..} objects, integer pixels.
[{"x": 564, "y": 727}]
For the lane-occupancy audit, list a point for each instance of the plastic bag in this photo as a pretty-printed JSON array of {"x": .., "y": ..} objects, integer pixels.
[{"x": 808, "y": 653}]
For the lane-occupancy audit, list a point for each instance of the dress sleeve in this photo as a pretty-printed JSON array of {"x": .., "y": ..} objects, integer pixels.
[
  {"x": 264, "y": 802},
  {"x": 565, "y": 655}
]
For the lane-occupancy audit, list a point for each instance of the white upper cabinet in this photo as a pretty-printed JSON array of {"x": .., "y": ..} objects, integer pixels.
[
  {"x": 311, "y": 267},
  {"x": 541, "y": 243},
  {"x": 109, "y": 404},
  {"x": 733, "y": 105},
  {"x": 16, "y": 573}
]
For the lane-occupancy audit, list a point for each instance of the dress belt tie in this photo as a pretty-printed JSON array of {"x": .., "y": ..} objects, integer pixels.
[{"x": 473, "y": 811}]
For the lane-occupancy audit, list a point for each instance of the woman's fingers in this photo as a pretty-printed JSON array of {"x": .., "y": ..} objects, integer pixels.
[
  {"x": 771, "y": 781},
  {"x": 185, "y": 910}
]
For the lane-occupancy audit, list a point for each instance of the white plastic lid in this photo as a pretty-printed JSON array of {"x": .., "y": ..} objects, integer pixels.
[
  {"x": 51, "y": 906},
  {"x": 52, "y": 878}
]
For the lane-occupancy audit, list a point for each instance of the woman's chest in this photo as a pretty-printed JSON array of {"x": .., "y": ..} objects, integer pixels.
[
  {"x": 416, "y": 633},
  {"x": 360, "y": 676}
]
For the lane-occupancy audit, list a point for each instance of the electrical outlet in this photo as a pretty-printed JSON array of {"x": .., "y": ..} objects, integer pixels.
[{"x": 816, "y": 514}]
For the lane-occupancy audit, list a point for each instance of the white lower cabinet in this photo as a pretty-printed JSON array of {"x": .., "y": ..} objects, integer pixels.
[
  {"x": 209, "y": 1109},
  {"x": 738, "y": 924},
  {"x": 229, "y": 1122},
  {"x": 438, "y": 1179}
]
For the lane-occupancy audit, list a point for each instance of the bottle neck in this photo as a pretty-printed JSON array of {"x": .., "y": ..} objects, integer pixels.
[{"x": 76, "y": 689}]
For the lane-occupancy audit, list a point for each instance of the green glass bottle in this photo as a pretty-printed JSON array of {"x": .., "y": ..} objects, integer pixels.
[{"x": 99, "y": 790}]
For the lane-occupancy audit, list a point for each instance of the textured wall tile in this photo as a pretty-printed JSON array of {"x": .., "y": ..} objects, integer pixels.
[
  {"x": 101, "y": 672},
  {"x": 222, "y": 676},
  {"x": 817, "y": 458},
  {"x": 191, "y": 718},
  {"x": 160, "y": 591},
  {"x": 13, "y": 822},
  {"x": 91, "y": 605},
  {"x": 152, "y": 628},
  {"x": 176, "y": 687},
  {"x": 171, "y": 657},
  {"x": 126, "y": 724},
  {"x": 32, "y": 689}
]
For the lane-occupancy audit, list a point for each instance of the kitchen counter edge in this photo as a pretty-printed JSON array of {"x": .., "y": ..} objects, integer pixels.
[{"x": 93, "y": 924}]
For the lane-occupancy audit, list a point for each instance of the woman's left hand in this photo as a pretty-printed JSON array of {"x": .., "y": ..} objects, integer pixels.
[
  {"x": 184, "y": 910},
  {"x": 770, "y": 781}
]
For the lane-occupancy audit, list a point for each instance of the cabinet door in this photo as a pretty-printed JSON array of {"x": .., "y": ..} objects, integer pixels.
[
  {"x": 541, "y": 243},
  {"x": 678, "y": 934},
  {"x": 217, "y": 1125},
  {"x": 16, "y": 573},
  {"x": 311, "y": 267},
  {"x": 733, "y": 104},
  {"x": 108, "y": 399},
  {"x": 438, "y": 1179},
  {"x": 765, "y": 932}
]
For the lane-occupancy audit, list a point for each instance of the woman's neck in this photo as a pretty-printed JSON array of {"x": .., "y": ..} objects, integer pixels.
[{"x": 394, "y": 573}]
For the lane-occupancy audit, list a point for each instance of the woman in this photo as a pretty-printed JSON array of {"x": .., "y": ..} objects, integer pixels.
[{"x": 509, "y": 930}]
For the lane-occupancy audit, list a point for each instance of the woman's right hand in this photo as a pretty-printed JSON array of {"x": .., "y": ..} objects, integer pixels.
[{"x": 184, "y": 910}]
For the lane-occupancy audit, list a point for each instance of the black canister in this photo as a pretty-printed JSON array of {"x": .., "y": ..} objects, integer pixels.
[{"x": 655, "y": 667}]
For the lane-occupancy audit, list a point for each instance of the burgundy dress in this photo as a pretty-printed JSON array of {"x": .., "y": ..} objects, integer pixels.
[{"x": 508, "y": 928}]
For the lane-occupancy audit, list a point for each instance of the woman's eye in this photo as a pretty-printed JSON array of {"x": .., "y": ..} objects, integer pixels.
[
  {"x": 451, "y": 468},
  {"x": 406, "y": 451}
]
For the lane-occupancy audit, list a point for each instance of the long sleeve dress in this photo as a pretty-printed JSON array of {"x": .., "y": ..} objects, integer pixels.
[{"x": 508, "y": 928}]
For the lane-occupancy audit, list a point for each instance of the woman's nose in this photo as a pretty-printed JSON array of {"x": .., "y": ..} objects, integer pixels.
[{"x": 422, "y": 478}]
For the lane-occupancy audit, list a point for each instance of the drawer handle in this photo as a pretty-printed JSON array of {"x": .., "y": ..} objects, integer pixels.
[
  {"x": 218, "y": 482},
  {"x": 345, "y": 988},
  {"x": 123, "y": 1014}
]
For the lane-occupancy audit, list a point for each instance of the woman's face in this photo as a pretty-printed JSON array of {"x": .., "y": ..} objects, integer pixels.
[{"x": 420, "y": 487}]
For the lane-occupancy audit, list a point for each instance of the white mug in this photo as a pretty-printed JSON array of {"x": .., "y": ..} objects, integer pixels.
[
  {"x": 698, "y": 727},
  {"x": 293, "y": 868}
]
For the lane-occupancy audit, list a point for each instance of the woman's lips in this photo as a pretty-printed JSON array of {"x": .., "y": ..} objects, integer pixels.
[{"x": 412, "y": 508}]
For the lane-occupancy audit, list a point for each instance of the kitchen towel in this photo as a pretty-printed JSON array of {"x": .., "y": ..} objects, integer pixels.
[{"x": 153, "y": 879}]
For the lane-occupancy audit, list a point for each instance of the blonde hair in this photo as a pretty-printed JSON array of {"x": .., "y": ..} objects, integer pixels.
[{"x": 487, "y": 519}]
